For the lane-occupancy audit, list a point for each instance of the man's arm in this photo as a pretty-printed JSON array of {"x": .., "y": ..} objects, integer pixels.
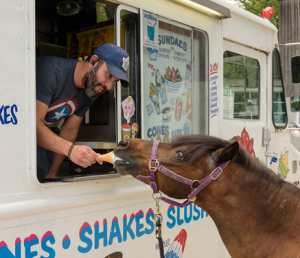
[
  {"x": 68, "y": 131},
  {"x": 81, "y": 155}
]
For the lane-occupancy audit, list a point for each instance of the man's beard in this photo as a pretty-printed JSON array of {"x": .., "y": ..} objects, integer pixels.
[{"x": 90, "y": 82}]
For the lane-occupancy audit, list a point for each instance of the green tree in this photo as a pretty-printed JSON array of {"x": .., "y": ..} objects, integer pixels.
[{"x": 257, "y": 6}]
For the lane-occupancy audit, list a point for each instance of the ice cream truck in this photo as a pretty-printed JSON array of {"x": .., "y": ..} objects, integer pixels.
[{"x": 196, "y": 67}]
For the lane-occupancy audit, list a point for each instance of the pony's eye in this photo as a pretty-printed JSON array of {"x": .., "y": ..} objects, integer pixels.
[{"x": 180, "y": 156}]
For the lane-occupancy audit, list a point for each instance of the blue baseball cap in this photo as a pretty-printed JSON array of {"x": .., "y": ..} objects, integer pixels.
[{"x": 117, "y": 61}]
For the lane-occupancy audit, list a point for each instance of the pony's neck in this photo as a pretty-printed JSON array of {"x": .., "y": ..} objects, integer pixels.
[{"x": 247, "y": 209}]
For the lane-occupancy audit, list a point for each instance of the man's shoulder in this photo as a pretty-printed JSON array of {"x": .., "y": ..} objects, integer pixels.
[{"x": 57, "y": 62}]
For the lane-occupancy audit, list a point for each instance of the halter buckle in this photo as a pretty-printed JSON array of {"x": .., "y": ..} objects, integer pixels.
[
  {"x": 211, "y": 174},
  {"x": 193, "y": 199},
  {"x": 155, "y": 164}
]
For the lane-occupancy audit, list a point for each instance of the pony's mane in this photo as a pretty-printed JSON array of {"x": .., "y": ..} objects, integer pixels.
[{"x": 199, "y": 145}]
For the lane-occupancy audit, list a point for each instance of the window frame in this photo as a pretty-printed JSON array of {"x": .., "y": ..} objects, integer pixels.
[
  {"x": 283, "y": 90},
  {"x": 259, "y": 88}
]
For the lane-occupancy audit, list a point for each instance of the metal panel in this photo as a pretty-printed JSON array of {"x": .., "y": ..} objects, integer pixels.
[{"x": 289, "y": 24}]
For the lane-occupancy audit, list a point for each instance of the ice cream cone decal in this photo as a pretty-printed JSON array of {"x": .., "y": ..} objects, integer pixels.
[
  {"x": 109, "y": 157},
  {"x": 128, "y": 108},
  {"x": 166, "y": 138},
  {"x": 135, "y": 129}
]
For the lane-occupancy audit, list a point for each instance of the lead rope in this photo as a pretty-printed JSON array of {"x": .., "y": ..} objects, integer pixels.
[{"x": 158, "y": 224}]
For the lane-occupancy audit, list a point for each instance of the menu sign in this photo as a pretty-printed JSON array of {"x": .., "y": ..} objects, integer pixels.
[{"x": 167, "y": 84}]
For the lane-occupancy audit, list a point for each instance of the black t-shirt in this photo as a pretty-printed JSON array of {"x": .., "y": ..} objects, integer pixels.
[{"x": 56, "y": 88}]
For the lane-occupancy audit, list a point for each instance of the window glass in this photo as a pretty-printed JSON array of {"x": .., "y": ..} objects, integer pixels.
[
  {"x": 200, "y": 94},
  {"x": 241, "y": 86},
  {"x": 167, "y": 80},
  {"x": 279, "y": 106},
  {"x": 170, "y": 105},
  {"x": 296, "y": 69},
  {"x": 295, "y": 103}
]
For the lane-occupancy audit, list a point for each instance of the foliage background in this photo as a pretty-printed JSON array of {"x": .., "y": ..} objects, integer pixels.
[{"x": 257, "y": 6}]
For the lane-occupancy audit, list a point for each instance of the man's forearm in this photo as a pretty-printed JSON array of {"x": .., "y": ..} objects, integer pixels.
[
  {"x": 57, "y": 158},
  {"x": 50, "y": 141}
]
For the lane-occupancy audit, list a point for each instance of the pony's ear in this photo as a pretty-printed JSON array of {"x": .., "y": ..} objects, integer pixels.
[
  {"x": 233, "y": 139},
  {"x": 225, "y": 154}
]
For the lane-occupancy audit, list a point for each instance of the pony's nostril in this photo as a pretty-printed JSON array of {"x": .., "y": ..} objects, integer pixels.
[{"x": 123, "y": 143}]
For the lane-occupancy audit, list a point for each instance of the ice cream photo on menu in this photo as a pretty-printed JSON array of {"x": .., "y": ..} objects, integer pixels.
[{"x": 128, "y": 108}]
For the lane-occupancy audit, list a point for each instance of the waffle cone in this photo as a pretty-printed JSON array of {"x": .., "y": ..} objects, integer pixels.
[{"x": 109, "y": 157}]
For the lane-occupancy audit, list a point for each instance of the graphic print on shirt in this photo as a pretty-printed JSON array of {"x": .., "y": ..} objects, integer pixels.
[{"x": 60, "y": 110}]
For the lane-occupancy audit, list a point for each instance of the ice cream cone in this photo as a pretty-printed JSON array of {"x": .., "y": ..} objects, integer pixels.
[{"x": 109, "y": 157}]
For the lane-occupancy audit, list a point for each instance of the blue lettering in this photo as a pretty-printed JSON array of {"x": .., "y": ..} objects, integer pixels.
[
  {"x": 47, "y": 248},
  {"x": 100, "y": 235},
  {"x": 115, "y": 231},
  {"x": 28, "y": 245},
  {"x": 196, "y": 209},
  {"x": 6, "y": 116},
  {"x": 168, "y": 39},
  {"x": 158, "y": 130},
  {"x": 139, "y": 226},
  {"x": 150, "y": 223},
  {"x": 149, "y": 134},
  {"x": 187, "y": 218},
  {"x": 86, "y": 240},
  {"x": 154, "y": 131},
  {"x": 184, "y": 46},
  {"x": 6, "y": 253},
  {"x": 179, "y": 220},
  {"x": 170, "y": 216},
  {"x": 176, "y": 42},
  {"x": 14, "y": 119},
  {"x": 127, "y": 228},
  {"x": 1, "y": 119}
]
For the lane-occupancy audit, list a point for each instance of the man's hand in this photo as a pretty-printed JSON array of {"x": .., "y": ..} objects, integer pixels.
[{"x": 84, "y": 156}]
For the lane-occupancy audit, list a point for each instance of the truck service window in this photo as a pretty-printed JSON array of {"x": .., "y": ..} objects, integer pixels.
[
  {"x": 74, "y": 32},
  {"x": 241, "y": 86},
  {"x": 174, "y": 101}
]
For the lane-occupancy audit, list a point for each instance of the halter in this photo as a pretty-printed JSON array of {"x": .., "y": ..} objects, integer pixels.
[{"x": 154, "y": 165}]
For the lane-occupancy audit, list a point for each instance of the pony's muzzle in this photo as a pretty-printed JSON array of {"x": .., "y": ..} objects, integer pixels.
[{"x": 123, "y": 144}]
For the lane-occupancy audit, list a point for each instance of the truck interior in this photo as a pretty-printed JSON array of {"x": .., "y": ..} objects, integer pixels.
[{"x": 73, "y": 29}]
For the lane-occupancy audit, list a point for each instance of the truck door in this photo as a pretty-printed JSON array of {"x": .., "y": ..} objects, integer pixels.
[
  {"x": 245, "y": 97},
  {"x": 128, "y": 104}
]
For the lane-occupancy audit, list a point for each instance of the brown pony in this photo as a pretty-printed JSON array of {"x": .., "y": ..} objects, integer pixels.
[{"x": 256, "y": 213}]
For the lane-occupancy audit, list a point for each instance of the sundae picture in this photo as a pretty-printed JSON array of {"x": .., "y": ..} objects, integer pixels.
[
  {"x": 173, "y": 79},
  {"x": 160, "y": 85},
  {"x": 154, "y": 97}
]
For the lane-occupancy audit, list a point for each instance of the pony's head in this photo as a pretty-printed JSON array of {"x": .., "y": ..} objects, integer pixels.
[{"x": 192, "y": 157}]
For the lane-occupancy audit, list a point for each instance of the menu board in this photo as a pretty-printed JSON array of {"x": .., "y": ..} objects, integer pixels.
[
  {"x": 167, "y": 84},
  {"x": 82, "y": 44}
]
